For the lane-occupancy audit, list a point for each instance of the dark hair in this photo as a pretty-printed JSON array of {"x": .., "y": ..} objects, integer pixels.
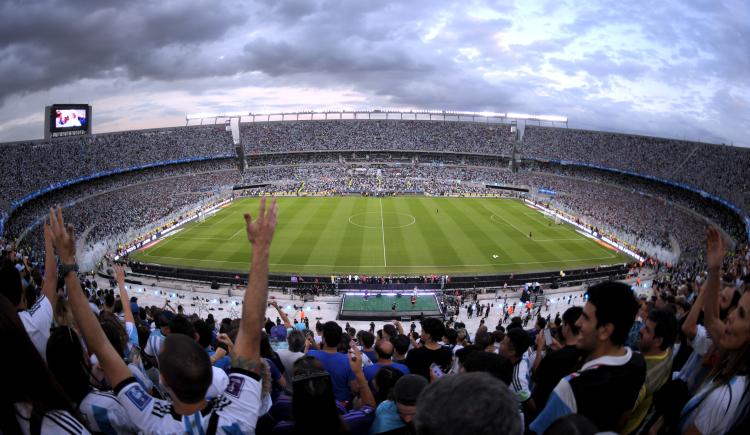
[
  {"x": 570, "y": 317},
  {"x": 666, "y": 326},
  {"x": 449, "y": 406},
  {"x": 451, "y": 335},
  {"x": 10, "y": 283},
  {"x": 332, "y": 334},
  {"x": 434, "y": 328},
  {"x": 400, "y": 343},
  {"x": 180, "y": 324},
  {"x": 492, "y": 363},
  {"x": 296, "y": 340},
  {"x": 366, "y": 338},
  {"x": 26, "y": 378},
  {"x": 572, "y": 424},
  {"x": 66, "y": 361},
  {"x": 314, "y": 406},
  {"x": 185, "y": 367},
  {"x": 109, "y": 300},
  {"x": 484, "y": 339},
  {"x": 390, "y": 330},
  {"x": 204, "y": 330},
  {"x": 386, "y": 379},
  {"x": 114, "y": 331},
  {"x": 615, "y": 304}
]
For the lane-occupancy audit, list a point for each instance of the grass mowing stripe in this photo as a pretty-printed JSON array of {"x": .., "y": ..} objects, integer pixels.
[
  {"x": 348, "y": 250},
  {"x": 439, "y": 245},
  {"x": 477, "y": 245}
]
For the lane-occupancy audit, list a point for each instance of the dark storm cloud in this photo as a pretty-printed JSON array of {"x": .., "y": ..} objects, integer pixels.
[{"x": 46, "y": 43}]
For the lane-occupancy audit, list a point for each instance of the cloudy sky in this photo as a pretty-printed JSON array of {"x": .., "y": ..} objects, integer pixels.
[{"x": 674, "y": 68}]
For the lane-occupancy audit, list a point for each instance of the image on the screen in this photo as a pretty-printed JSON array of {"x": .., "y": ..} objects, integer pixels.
[{"x": 70, "y": 118}]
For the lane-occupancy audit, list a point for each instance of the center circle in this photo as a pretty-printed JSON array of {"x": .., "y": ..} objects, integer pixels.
[{"x": 372, "y": 220}]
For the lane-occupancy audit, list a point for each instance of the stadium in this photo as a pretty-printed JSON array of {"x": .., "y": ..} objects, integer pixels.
[{"x": 375, "y": 218}]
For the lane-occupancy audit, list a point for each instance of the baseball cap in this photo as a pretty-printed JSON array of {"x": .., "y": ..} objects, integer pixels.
[{"x": 407, "y": 389}]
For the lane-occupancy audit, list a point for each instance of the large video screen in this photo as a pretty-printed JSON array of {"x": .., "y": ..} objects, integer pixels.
[{"x": 69, "y": 117}]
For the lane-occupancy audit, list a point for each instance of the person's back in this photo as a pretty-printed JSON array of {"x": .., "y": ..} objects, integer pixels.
[
  {"x": 337, "y": 366},
  {"x": 419, "y": 359}
]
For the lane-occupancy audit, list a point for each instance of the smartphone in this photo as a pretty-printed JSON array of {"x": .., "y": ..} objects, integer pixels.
[
  {"x": 436, "y": 370},
  {"x": 547, "y": 336}
]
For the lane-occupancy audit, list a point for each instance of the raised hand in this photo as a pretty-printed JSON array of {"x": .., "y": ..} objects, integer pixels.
[
  {"x": 260, "y": 231},
  {"x": 355, "y": 360},
  {"x": 714, "y": 248},
  {"x": 63, "y": 236},
  {"x": 120, "y": 274}
]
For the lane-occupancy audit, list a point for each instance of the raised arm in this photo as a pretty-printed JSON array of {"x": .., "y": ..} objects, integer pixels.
[
  {"x": 282, "y": 314},
  {"x": 690, "y": 325},
  {"x": 124, "y": 298},
  {"x": 114, "y": 367},
  {"x": 49, "y": 285},
  {"x": 246, "y": 353},
  {"x": 714, "y": 258}
]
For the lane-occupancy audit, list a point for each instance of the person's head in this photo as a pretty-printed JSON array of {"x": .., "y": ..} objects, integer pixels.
[
  {"x": 432, "y": 330},
  {"x": 569, "y": 319},
  {"x": 406, "y": 394},
  {"x": 384, "y": 381},
  {"x": 366, "y": 339},
  {"x": 296, "y": 340},
  {"x": 185, "y": 368},
  {"x": 68, "y": 362},
  {"x": 484, "y": 339},
  {"x": 607, "y": 316},
  {"x": 515, "y": 343},
  {"x": 114, "y": 331},
  {"x": 26, "y": 377},
  {"x": 461, "y": 336},
  {"x": 449, "y": 406},
  {"x": 400, "y": 344},
  {"x": 314, "y": 405},
  {"x": 11, "y": 286},
  {"x": 384, "y": 350},
  {"x": 658, "y": 332},
  {"x": 109, "y": 302},
  {"x": 572, "y": 424},
  {"x": 492, "y": 363},
  {"x": 389, "y": 331},
  {"x": 728, "y": 299},
  {"x": 180, "y": 324},
  {"x": 451, "y": 336},
  {"x": 737, "y": 327},
  {"x": 332, "y": 334},
  {"x": 204, "y": 331}
]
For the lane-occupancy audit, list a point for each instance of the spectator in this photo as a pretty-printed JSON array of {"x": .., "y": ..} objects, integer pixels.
[
  {"x": 384, "y": 352},
  {"x": 184, "y": 365},
  {"x": 467, "y": 404},
  {"x": 557, "y": 363},
  {"x": 418, "y": 360},
  {"x": 336, "y": 364},
  {"x": 295, "y": 350},
  {"x": 396, "y": 416},
  {"x": 604, "y": 325}
]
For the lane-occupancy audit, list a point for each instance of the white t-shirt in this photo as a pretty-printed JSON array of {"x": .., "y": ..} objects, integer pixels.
[
  {"x": 712, "y": 410},
  {"x": 104, "y": 413},
  {"x": 219, "y": 382},
  {"x": 520, "y": 381},
  {"x": 54, "y": 422},
  {"x": 288, "y": 358},
  {"x": 37, "y": 321},
  {"x": 236, "y": 409},
  {"x": 153, "y": 345}
]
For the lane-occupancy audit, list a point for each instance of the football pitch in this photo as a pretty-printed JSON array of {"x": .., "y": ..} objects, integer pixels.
[{"x": 386, "y": 236}]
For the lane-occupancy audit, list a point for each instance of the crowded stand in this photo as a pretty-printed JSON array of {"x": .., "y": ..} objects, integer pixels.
[
  {"x": 717, "y": 169},
  {"x": 660, "y": 220},
  {"x": 93, "y": 357},
  {"x": 28, "y": 167}
]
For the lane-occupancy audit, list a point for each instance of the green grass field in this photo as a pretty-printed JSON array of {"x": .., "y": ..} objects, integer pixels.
[
  {"x": 384, "y": 303},
  {"x": 388, "y": 236}
]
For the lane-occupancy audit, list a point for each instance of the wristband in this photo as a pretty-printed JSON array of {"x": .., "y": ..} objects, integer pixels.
[{"x": 65, "y": 269}]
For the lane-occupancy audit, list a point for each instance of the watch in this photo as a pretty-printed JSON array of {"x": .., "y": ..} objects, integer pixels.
[{"x": 65, "y": 269}]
